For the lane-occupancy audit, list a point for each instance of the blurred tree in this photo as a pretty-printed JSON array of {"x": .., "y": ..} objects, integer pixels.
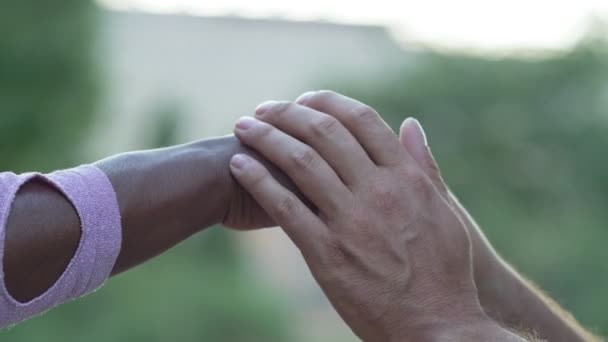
[
  {"x": 48, "y": 88},
  {"x": 522, "y": 141}
]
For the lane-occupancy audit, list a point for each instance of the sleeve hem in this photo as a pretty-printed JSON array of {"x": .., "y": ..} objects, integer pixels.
[{"x": 91, "y": 193}]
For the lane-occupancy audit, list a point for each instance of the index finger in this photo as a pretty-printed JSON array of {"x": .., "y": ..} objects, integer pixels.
[{"x": 302, "y": 226}]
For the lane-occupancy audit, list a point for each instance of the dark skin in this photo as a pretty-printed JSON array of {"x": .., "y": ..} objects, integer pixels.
[
  {"x": 164, "y": 195},
  {"x": 169, "y": 194}
]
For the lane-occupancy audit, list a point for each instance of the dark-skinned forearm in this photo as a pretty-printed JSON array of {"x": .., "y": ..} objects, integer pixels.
[
  {"x": 42, "y": 233},
  {"x": 163, "y": 195}
]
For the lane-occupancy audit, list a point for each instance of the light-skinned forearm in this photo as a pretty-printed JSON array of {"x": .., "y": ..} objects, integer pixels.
[
  {"x": 514, "y": 301},
  {"x": 481, "y": 330}
]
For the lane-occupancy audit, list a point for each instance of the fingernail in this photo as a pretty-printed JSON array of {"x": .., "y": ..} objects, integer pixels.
[
  {"x": 422, "y": 134},
  {"x": 263, "y": 108},
  {"x": 245, "y": 122},
  {"x": 239, "y": 161},
  {"x": 302, "y": 98}
]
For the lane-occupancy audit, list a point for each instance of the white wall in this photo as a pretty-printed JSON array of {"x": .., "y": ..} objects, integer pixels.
[{"x": 219, "y": 68}]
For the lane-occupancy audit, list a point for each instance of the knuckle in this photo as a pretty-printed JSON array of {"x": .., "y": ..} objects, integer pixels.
[
  {"x": 324, "y": 126},
  {"x": 263, "y": 130},
  {"x": 431, "y": 164},
  {"x": 335, "y": 255},
  {"x": 286, "y": 208},
  {"x": 386, "y": 199},
  {"x": 361, "y": 222},
  {"x": 418, "y": 182},
  {"x": 305, "y": 158},
  {"x": 317, "y": 99},
  {"x": 258, "y": 175},
  {"x": 363, "y": 114},
  {"x": 413, "y": 173},
  {"x": 279, "y": 108},
  {"x": 433, "y": 167},
  {"x": 325, "y": 94}
]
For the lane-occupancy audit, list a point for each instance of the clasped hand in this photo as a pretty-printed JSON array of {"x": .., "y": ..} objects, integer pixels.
[{"x": 382, "y": 237}]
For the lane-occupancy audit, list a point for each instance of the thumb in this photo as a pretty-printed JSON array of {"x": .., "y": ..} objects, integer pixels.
[{"x": 414, "y": 140}]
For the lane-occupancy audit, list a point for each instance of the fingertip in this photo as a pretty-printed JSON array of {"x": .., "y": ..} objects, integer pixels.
[
  {"x": 412, "y": 129},
  {"x": 402, "y": 131},
  {"x": 239, "y": 162},
  {"x": 413, "y": 138},
  {"x": 245, "y": 123}
]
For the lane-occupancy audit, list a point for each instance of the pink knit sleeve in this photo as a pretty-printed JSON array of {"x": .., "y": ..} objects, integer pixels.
[{"x": 91, "y": 193}]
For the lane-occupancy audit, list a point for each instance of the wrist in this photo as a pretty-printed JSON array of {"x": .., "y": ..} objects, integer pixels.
[
  {"x": 215, "y": 187},
  {"x": 229, "y": 196},
  {"x": 173, "y": 185},
  {"x": 496, "y": 287},
  {"x": 479, "y": 329},
  {"x": 166, "y": 195},
  {"x": 437, "y": 316}
]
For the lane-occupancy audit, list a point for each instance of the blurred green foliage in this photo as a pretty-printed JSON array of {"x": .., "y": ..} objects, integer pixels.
[
  {"x": 523, "y": 142},
  {"x": 200, "y": 291},
  {"x": 48, "y": 87}
]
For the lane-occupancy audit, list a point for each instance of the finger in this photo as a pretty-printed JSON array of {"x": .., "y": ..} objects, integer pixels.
[
  {"x": 414, "y": 140},
  {"x": 302, "y": 164},
  {"x": 324, "y": 133},
  {"x": 302, "y": 226},
  {"x": 362, "y": 121}
]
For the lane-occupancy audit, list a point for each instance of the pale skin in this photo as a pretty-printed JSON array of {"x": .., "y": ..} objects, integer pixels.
[
  {"x": 397, "y": 255},
  {"x": 395, "y": 252},
  {"x": 504, "y": 294}
]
